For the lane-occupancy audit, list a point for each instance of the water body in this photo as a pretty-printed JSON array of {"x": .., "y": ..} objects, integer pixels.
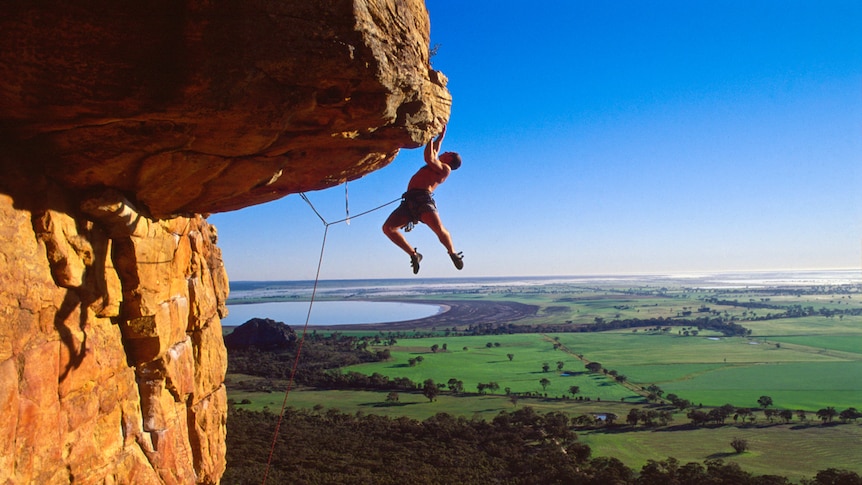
[
  {"x": 245, "y": 296},
  {"x": 330, "y": 312},
  {"x": 393, "y": 288}
]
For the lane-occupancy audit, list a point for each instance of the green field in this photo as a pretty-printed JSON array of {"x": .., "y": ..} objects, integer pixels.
[
  {"x": 808, "y": 326},
  {"x": 736, "y": 370},
  {"x": 789, "y": 450},
  {"x": 803, "y": 363},
  {"x": 480, "y": 363},
  {"x": 825, "y": 343},
  {"x": 416, "y": 406},
  {"x": 708, "y": 370}
]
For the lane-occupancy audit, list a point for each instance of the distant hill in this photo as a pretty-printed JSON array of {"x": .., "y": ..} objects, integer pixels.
[{"x": 261, "y": 333}]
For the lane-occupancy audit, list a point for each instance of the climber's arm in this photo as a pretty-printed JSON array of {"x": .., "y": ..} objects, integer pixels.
[{"x": 432, "y": 149}]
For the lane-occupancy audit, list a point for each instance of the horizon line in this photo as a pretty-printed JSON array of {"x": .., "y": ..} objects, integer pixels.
[{"x": 673, "y": 274}]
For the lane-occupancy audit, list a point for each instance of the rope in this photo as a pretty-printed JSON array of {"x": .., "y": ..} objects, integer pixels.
[
  {"x": 308, "y": 316},
  {"x": 296, "y": 360},
  {"x": 346, "y": 205}
]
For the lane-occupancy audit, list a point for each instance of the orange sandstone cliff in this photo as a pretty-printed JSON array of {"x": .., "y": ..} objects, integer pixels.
[{"x": 121, "y": 123}]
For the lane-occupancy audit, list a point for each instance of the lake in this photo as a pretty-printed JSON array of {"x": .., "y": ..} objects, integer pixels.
[{"x": 330, "y": 312}]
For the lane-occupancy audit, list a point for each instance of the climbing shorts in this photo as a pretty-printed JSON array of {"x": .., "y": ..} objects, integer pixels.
[{"x": 414, "y": 203}]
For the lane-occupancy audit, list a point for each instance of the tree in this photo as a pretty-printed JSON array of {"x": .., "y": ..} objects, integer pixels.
[
  {"x": 594, "y": 367},
  {"x": 609, "y": 470},
  {"x": 739, "y": 445},
  {"x": 745, "y": 413},
  {"x": 546, "y": 367},
  {"x": 584, "y": 420},
  {"x": 435, "y": 348},
  {"x": 430, "y": 390},
  {"x": 659, "y": 472},
  {"x": 544, "y": 382},
  {"x": 560, "y": 365},
  {"x": 574, "y": 390},
  {"x": 491, "y": 386},
  {"x": 678, "y": 402},
  {"x": 510, "y": 356},
  {"x": 719, "y": 415},
  {"x": 698, "y": 417},
  {"x": 827, "y": 414},
  {"x": 849, "y": 414},
  {"x": 455, "y": 385},
  {"x": 764, "y": 401},
  {"x": 654, "y": 389},
  {"x": 834, "y": 476},
  {"x": 392, "y": 397}
]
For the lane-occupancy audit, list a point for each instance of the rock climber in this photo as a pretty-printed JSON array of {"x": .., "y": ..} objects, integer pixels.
[{"x": 417, "y": 204}]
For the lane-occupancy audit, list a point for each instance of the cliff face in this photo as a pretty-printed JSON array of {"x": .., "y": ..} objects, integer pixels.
[{"x": 120, "y": 125}]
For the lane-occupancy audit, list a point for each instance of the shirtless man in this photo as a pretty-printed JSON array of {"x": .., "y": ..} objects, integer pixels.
[{"x": 417, "y": 204}]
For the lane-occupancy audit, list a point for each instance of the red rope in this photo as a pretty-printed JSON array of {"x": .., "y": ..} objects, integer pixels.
[{"x": 296, "y": 360}]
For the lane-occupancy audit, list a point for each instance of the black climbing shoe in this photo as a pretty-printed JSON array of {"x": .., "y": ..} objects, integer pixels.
[
  {"x": 457, "y": 259},
  {"x": 414, "y": 261}
]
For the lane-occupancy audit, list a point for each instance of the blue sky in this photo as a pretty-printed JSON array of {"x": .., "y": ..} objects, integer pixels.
[{"x": 618, "y": 137}]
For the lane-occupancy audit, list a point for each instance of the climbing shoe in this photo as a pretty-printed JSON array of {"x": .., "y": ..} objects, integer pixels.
[
  {"x": 414, "y": 261},
  {"x": 457, "y": 259}
]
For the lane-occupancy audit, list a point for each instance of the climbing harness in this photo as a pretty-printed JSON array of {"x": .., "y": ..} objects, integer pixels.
[{"x": 310, "y": 305}]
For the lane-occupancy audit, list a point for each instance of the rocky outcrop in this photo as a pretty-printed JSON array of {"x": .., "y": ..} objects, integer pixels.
[
  {"x": 120, "y": 124},
  {"x": 261, "y": 333},
  {"x": 111, "y": 355},
  {"x": 166, "y": 101}
]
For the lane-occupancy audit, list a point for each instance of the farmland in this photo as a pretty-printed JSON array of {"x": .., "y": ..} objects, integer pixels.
[{"x": 799, "y": 345}]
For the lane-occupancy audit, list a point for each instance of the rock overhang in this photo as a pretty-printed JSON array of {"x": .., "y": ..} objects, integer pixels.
[{"x": 200, "y": 107}]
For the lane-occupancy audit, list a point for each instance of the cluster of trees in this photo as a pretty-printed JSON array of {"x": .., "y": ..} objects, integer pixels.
[
  {"x": 649, "y": 417},
  {"x": 741, "y": 414},
  {"x": 596, "y": 367},
  {"x": 719, "y": 415},
  {"x": 318, "y": 354},
  {"x": 829, "y": 413},
  {"x": 751, "y": 304},
  {"x": 520, "y": 447},
  {"x": 788, "y": 311},
  {"x": 719, "y": 324}
]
